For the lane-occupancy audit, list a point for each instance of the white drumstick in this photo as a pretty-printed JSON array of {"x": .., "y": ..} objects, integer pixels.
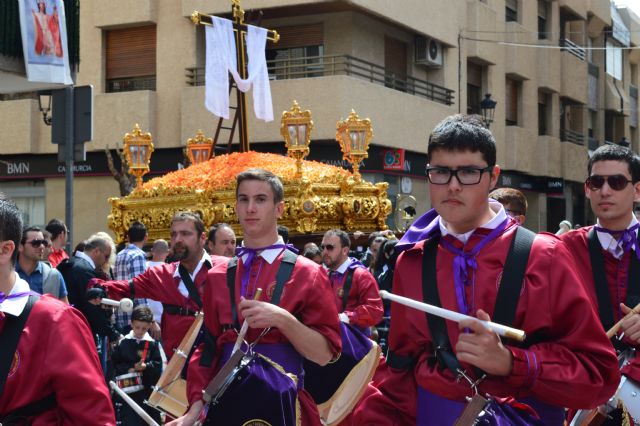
[
  {"x": 502, "y": 330},
  {"x": 245, "y": 326},
  {"x": 146, "y": 417},
  {"x": 125, "y": 305}
]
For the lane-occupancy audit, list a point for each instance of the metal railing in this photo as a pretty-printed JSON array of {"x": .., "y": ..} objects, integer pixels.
[
  {"x": 131, "y": 84},
  {"x": 330, "y": 65},
  {"x": 573, "y": 48},
  {"x": 572, "y": 136}
]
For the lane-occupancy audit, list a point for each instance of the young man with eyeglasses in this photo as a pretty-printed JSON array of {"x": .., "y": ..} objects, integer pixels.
[
  {"x": 41, "y": 277},
  {"x": 607, "y": 254},
  {"x": 455, "y": 256}
]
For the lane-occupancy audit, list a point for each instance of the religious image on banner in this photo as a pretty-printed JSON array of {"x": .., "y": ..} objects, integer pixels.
[{"x": 44, "y": 41}]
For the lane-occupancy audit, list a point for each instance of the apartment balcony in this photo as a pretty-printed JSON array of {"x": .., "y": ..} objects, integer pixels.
[
  {"x": 548, "y": 156},
  {"x": 520, "y": 153},
  {"x": 115, "y": 13},
  {"x": 573, "y": 48},
  {"x": 548, "y": 66},
  {"x": 599, "y": 16},
  {"x": 567, "y": 135},
  {"x": 578, "y": 8},
  {"x": 574, "y": 74},
  {"x": 574, "y": 162}
]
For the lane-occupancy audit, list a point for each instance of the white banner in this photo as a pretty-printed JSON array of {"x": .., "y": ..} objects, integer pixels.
[{"x": 44, "y": 41}]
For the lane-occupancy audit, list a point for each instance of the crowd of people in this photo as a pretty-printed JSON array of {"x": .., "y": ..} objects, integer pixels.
[{"x": 470, "y": 254}]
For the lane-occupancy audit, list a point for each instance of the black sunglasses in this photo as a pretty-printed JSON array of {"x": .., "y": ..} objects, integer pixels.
[
  {"x": 327, "y": 246},
  {"x": 38, "y": 243},
  {"x": 616, "y": 182}
]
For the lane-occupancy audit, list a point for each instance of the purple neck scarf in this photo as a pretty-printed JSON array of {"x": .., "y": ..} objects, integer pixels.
[
  {"x": 251, "y": 255},
  {"x": 627, "y": 239},
  {"x": 465, "y": 260},
  {"x": 423, "y": 228},
  {"x": 4, "y": 297}
]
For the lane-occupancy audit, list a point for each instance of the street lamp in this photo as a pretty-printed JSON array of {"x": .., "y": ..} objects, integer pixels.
[
  {"x": 199, "y": 149},
  {"x": 488, "y": 107},
  {"x": 138, "y": 148},
  {"x": 354, "y": 135},
  {"x": 44, "y": 98},
  {"x": 295, "y": 128}
]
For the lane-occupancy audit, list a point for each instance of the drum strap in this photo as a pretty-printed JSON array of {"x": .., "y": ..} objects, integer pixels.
[
  {"x": 346, "y": 288},
  {"x": 10, "y": 337},
  {"x": 506, "y": 299},
  {"x": 19, "y": 415},
  {"x": 600, "y": 281},
  {"x": 191, "y": 287}
]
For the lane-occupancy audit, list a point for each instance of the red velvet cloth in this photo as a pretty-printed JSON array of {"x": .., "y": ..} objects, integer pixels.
[
  {"x": 364, "y": 305},
  {"x": 56, "y": 354},
  {"x": 307, "y": 295},
  {"x": 572, "y": 365}
]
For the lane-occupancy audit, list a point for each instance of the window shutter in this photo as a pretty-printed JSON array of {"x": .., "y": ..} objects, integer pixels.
[
  {"x": 298, "y": 36},
  {"x": 131, "y": 52},
  {"x": 511, "y": 102}
]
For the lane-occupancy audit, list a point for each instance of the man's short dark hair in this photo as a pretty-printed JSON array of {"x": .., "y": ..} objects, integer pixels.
[
  {"x": 514, "y": 198},
  {"x": 262, "y": 176},
  {"x": 56, "y": 227},
  {"x": 214, "y": 230},
  {"x": 283, "y": 231},
  {"x": 462, "y": 132},
  {"x": 137, "y": 232},
  {"x": 142, "y": 313},
  {"x": 312, "y": 252},
  {"x": 617, "y": 153},
  {"x": 26, "y": 231},
  {"x": 345, "y": 241},
  {"x": 191, "y": 217},
  {"x": 10, "y": 225}
]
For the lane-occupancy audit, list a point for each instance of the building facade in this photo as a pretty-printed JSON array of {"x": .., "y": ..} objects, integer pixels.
[{"x": 560, "y": 71}]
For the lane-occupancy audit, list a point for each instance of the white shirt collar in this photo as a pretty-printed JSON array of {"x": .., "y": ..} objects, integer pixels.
[
  {"x": 132, "y": 336},
  {"x": 270, "y": 255},
  {"x": 500, "y": 216},
  {"x": 81, "y": 255},
  {"x": 205, "y": 256},
  {"x": 343, "y": 267},
  {"x": 16, "y": 306},
  {"x": 609, "y": 243}
]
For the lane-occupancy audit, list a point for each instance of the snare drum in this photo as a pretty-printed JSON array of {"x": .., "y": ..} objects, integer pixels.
[
  {"x": 338, "y": 386},
  {"x": 130, "y": 382}
]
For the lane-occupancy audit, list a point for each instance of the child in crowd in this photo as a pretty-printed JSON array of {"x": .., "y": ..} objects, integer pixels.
[{"x": 138, "y": 364}]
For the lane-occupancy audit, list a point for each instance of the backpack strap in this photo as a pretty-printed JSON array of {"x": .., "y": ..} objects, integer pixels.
[
  {"x": 346, "y": 288},
  {"x": 10, "y": 337}
]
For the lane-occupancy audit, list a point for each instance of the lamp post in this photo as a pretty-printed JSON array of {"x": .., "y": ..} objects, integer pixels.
[
  {"x": 199, "y": 149},
  {"x": 354, "y": 135},
  {"x": 138, "y": 148},
  {"x": 44, "y": 105},
  {"x": 488, "y": 107},
  {"x": 295, "y": 128}
]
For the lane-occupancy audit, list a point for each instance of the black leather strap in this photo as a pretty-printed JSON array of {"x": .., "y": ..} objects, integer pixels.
[
  {"x": 399, "y": 362},
  {"x": 231, "y": 285},
  {"x": 348, "y": 282},
  {"x": 21, "y": 415},
  {"x": 178, "y": 310},
  {"x": 600, "y": 280},
  {"x": 191, "y": 287},
  {"x": 10, "y": 337}
]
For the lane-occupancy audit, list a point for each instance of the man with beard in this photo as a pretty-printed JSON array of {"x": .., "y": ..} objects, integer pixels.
[{"x": 177, "y": 285}]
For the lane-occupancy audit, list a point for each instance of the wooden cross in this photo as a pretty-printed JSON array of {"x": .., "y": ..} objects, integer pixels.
[{"x": 240, "y": 30}]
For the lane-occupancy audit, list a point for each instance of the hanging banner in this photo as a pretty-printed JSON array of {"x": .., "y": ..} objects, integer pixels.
[{"x": 44, "y": 41}]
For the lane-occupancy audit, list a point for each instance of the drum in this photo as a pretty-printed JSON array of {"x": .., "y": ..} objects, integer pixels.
[
  {"x": 338, "y": 386},
  {"x": 252, "y": 389},
  {"x": 130, "y": 382},
  {"x": 481, "y": 411},
  {"x": 626, "y": 401}
]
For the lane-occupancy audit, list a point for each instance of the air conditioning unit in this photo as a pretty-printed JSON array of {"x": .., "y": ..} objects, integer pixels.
[{"x": 428, "y": 52}]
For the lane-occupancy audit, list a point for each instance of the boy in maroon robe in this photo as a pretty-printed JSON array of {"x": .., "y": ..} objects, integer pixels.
[{"x": 566, "y": 360}]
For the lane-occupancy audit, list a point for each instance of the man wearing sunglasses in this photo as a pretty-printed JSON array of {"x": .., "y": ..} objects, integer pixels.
[
  {"x": 41, "y": 277},
  {"x": 455, "y": 256},
  {"x": 607, "y": 254}
]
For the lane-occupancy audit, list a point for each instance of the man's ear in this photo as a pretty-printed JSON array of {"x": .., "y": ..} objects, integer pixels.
[
  {"x": 6, "y": 251},
  {"x": 280, "y": 209},
  {"x": 495, "y": 173}
]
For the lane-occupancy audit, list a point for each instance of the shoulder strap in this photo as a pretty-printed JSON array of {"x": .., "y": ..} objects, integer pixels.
[
  {"x": 633, "y": 286},
  {"x": 513, "y": 276},
  {"x": 231, "y": 285},
  {"x": 191, "y": 287},
  {"x": 10, "y": 337},
  {"x": 600, "y": 280},
  {"x": 346, "y": 288}
]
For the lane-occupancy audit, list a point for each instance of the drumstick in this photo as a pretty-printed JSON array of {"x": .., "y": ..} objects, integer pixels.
[
  {"x": 146, "y": 417},
  {"x": 502, "y": 330},
  {"x": 125, "y": 305},
  {"x": 245, "y": 325},
  {"x": 614, "y": 330}
]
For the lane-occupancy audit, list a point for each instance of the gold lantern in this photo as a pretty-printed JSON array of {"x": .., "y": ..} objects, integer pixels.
[
  {"x": 199, "y": 149},
  {"x": 354, "y": 136},
  {"x": 296, "y": 128},
  {"x": 138, "y": 148}
]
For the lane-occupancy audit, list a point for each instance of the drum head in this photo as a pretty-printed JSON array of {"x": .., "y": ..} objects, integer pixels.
[{"x": 171, "y": 399}]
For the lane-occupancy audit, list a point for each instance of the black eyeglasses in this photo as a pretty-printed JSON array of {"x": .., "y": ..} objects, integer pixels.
[
  {"x": 616, "y": 182},
  {"x": 38, "y": 243},
  {"x": 465, "y": 175},
  {"x": 327, "y": 246}
]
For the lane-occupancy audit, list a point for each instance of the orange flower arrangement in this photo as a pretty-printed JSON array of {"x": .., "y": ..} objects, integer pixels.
[{"x": 220, "y": 172}]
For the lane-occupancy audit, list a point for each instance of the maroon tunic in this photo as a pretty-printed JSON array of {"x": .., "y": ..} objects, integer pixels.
[
  {"x": 307, "y": 295},
  {"x": 571, "y": 365},
  {"x": 364, "y": 305},
  {"x": 617, "y": 272},
  {"x": 56, "y": 354}
]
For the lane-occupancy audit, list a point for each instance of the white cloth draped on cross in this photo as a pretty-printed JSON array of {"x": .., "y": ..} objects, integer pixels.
[{"x": 221, "y": 60}]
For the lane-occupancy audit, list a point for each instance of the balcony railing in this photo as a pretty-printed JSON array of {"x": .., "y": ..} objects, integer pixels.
[
  {"x": 576, "y": 50},
  {"x": 330, "y": 65},
  {"x": 572, "y": 136},
  {"x": 131, "y": 84}
]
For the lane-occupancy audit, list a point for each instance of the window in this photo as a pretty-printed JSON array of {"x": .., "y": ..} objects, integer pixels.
[
  {"x": 544, "y": 102},
  {"x": 614, "y": 59},
  {"x": 512, "y": 99},
  {"x": 30, "y": 199},
  {"x": 511, "y": 11},
  {"x": 543, "y": 11},
  {"x": 131, "y": 59},
  {"x": 298, "y": 54},
  {"x": 474, "y": 88}
]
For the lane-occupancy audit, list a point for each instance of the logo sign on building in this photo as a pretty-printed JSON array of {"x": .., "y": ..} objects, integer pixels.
[{"x": 393, "y": 159}]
